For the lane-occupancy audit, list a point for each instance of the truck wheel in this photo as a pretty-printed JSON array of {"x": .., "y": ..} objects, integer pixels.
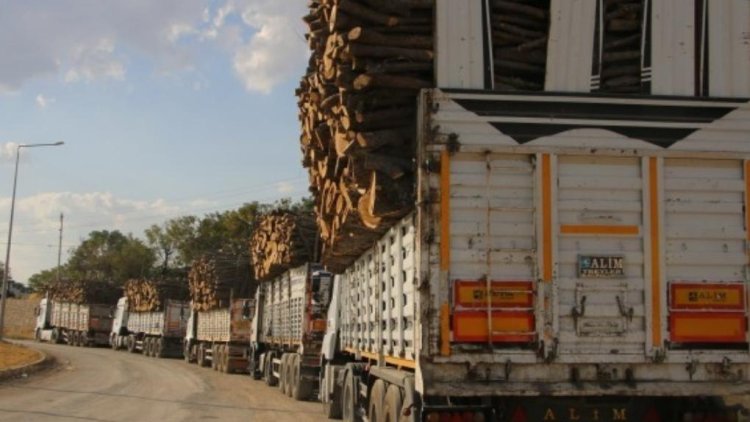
[
  {"x": 349, "y": 403},
  {"x": 146, "y": 346},
  {"x": 252, "y": 365},
  {"x": 289, "y": 375},
  {"x": 282, "y": 372},
  {"x": 84, "y": 339},
  {"x": 394, "y": 400},
  {"x": 38, "y": 335},
  {"x": 375, "y": 404},
  {"x": 54, "y": 336},
  {"x": 213, "y": 358},
  {"x": 225, "y": 359},
  {"x": 301, "y": 388},
  {"x": 74, "y": 338},
  {"x": 186, "y": 352},
  {"x": 332, "y": 408},
  {"x": 159, "y": 347},
  {"x": 131, "y": 344},
  {"x": 268, "y": 365}
]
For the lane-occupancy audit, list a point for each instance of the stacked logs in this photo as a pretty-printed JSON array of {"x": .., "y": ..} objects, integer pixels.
[
  {"x": 214, "y": 280},
  {"x": 148, "y": 295},
  {"x": 357, "y": 106},
  {"x": 520, "y": 29},
  {"x": 282, "y": 240},
  {"x": 621, "y": 51},
  {"x": 84, "y": 292}
]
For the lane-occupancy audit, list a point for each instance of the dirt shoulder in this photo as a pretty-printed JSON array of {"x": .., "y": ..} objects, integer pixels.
[{"x": 14, "y": 356}]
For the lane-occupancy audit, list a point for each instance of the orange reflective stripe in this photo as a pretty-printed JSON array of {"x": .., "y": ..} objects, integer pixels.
[
  {"x": 655, "y": 252},
  {"x": 547, "y": 217}
]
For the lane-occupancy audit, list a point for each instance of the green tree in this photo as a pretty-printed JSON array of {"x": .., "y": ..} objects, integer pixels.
[{"x": 110, "y": 257}]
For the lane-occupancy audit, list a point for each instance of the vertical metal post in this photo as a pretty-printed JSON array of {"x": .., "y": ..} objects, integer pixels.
[
  {"x": 4, "y": 290},
  {"x": 59, "y": 248}
]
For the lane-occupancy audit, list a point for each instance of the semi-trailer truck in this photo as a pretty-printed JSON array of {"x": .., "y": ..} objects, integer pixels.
[
  {"x": 74, "y": 324},
  {"x": 570, "y": 258},
  {"x": 155, "y": 333},
  {"x": 220, "y": 338},
  {"x": 288, "y": 329}
]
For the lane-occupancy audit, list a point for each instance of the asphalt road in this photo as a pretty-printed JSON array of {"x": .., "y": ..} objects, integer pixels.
[{"x": 103, "y": 385}]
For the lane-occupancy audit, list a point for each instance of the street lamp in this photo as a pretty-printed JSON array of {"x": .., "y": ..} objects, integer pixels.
[{"x": 4, "y": 289}]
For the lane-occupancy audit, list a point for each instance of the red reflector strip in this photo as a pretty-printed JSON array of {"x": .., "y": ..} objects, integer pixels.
[
  {"x": 507, "y": 327},
  {"x": 504, "y": 294},
  {"x": 701, "y": 327},
  {"x": 707, "y": 296}
]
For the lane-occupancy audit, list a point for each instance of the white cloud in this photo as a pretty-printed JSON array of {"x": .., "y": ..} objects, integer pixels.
[
  {"x": 285, "y": 187},
  {"x": 44, "y": 102},
  {"x": 277, "y": 50},
  {"x": 91, "y": 62},
  {"x": 38, "y": 218},
  {"x": 8, "y": 151}
]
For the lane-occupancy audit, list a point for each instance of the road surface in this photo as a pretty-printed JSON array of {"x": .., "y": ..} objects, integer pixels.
[{"x": 104, "y": 385}]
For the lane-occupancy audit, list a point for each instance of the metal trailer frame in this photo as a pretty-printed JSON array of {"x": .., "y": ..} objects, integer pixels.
[
  {"x": 220, "y": 338},
  {"x": 289, "y": 327}
]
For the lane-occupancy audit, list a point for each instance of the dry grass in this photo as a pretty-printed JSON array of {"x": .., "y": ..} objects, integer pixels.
[
  {"x": 12, "y": 355},
  {"x": 19, "y": 318}
]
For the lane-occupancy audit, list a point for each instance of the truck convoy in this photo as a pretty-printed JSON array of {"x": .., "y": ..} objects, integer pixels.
[
  {"x": 154, "y": 333},
  {"x": 220, "y": 337},
  {"x": 288, "y": 329},
  {"x": 71, "y": 323}
]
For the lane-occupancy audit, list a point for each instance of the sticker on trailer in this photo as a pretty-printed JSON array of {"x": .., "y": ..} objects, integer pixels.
[
  {"x": 707, "y": 296},
  {"x": 473, "y": 294},
  {"x": 601, "y": 266}
]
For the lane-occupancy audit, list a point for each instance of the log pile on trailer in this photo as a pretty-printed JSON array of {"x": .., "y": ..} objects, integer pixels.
[
  {"x": 357, "y": 106},
  {"x": 282, "y": 240},
  {"x": 149, "y": 295},
  {"x": 214, "y": 280},
  {"x": 84, "y": 292},
  {"x": 520, "y": 29},
  {"x": 621, "y": 50}
]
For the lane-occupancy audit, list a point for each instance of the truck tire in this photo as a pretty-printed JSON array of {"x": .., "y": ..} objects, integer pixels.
[
  {"x": 375, "y": 403},
  {"x": 252, "y": 365},
  {"x": 224, "y": 361},
  {"x": 146, "y": 346},
  {"x": 131, "y": 344},
  {"x": 75, "y": 342},
  {"x": 301, "y": 388},
  {"x": 186, "y": 352},
  {"x": 268, "y": 370},
  {"x": 394, "y": 400},
  {"x": 282, "y": 373},
  {"x": 84, "y": 338},
  {"x": 54, "y": 336},
  {"x": 332, "y": 407},
  {"x": 349, "y": 402},
  {"x": 289, "y": 375},
  {"x": 214, "y": 365},
  {"x": 38, "y": 335},
  {"x": 159, "y": 347}
]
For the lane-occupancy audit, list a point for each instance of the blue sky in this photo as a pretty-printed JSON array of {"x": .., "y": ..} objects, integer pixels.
[{"x": 166, "y": 108}]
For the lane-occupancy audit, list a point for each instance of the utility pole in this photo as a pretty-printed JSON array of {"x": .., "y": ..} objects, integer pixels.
[{"x": 59, "y": 248}]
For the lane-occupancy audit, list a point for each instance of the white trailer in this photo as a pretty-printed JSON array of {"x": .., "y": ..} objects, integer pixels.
[
  {"x": 570, "y": 258},
  {"x": 74, "y": 324},
  {"x": 155, "y": 334},
  {"x": 288, "y": 329},
  {"x": 220, "y": 337}
]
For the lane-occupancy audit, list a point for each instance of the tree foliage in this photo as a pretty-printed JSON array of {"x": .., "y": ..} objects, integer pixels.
[{"x": 170, "y": 247}]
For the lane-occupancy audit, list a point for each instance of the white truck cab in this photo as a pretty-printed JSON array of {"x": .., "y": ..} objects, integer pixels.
[
  {"x": 41, "y": 329},
  {"x": 117, "y": 337}
]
